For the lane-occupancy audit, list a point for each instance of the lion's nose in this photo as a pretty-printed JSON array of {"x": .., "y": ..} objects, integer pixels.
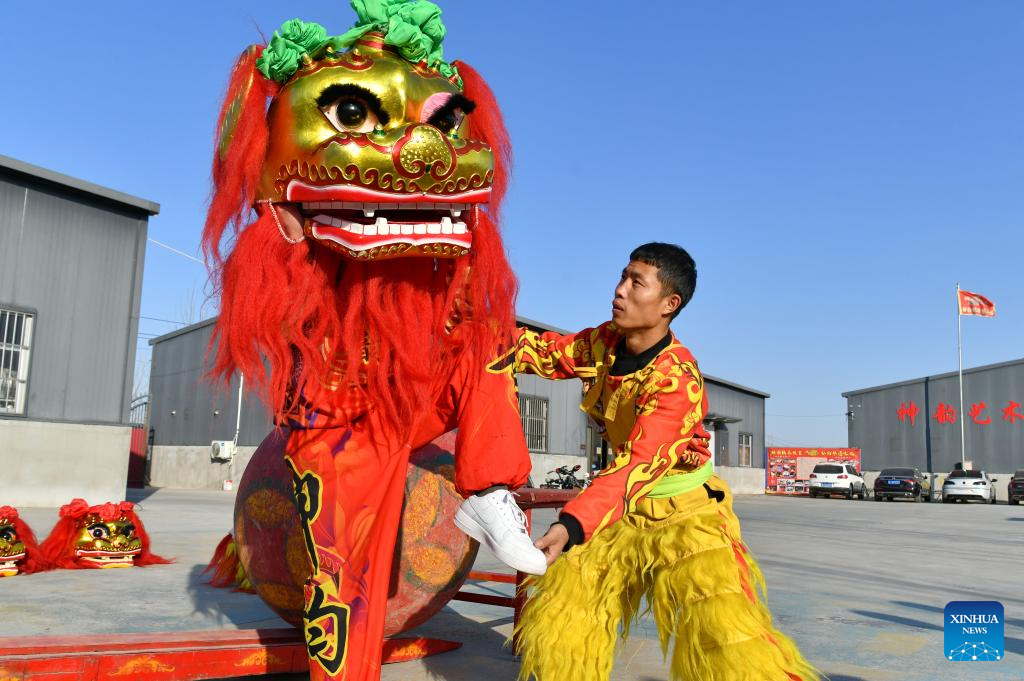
[{"x": 425, "y": 149}]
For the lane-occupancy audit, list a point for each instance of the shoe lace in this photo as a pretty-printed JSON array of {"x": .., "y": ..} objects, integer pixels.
[{"x": 513, "y": 511}]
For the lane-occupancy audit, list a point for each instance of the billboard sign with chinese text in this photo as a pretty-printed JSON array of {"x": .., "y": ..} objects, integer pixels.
[{"x": 787, "y": 469}]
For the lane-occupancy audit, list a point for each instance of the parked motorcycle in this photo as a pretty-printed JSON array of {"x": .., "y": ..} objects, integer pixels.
[{"x": 565, "y": 478}]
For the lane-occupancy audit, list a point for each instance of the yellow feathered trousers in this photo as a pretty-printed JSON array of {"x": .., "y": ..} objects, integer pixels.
[{"x": 685, "y": 555}]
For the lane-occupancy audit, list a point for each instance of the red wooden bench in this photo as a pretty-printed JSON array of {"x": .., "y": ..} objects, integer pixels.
[{"x": 529, "y": 499}]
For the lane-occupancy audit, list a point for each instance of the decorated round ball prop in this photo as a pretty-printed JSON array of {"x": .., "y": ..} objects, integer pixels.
[{"x": 432, "y": 556}]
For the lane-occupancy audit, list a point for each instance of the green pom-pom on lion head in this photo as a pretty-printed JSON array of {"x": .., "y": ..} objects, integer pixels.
[
  {"x": 413, "y": 27},
  {"x": 281, "y": 59}
]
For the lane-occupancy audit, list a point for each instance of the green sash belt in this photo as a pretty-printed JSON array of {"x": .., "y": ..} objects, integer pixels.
[{"x": 674, "y": 485}]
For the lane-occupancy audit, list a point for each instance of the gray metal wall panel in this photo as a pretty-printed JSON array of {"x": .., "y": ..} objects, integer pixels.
[
  {"x": 567, "y": 425},
  {"x": 203, "y": 412},
  {"x": 76, "y": 264},
  {"x": 12, "y": 204},
  {"x": 927, "y": 444},
  {"x": 132, "y": 332},
  {"x": 732, "y": 403},
  {"x": 901, "y": 445}
]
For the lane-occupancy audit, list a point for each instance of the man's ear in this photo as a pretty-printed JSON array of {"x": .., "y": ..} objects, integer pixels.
[{"x": 672, "y": 303}]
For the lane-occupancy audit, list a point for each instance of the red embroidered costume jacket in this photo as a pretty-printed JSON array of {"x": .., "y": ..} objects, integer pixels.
[{"x": 651, "y": 413}]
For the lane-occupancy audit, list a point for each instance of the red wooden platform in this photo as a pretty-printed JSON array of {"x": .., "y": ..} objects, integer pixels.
[
  {"x": 176, "y": 656},
  {"x": 194, "y": 655}
]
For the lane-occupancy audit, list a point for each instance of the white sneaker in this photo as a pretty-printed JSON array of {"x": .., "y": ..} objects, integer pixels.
[{"x": 497, "y": 522}]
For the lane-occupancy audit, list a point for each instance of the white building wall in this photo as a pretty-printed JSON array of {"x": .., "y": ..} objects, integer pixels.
[{"x": 48, "y": 464}]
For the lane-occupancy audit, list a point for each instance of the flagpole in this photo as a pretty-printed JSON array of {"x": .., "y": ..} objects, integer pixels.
[{"x": 960, "y": 371}]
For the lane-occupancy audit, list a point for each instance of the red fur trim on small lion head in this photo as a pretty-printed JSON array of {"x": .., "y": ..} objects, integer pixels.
[{"x": 75, "y": 509}]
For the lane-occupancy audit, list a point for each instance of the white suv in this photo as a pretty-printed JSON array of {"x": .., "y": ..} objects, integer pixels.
[
  {"x": 836, "y": 478},
  {"x": 967, "y": 485}
]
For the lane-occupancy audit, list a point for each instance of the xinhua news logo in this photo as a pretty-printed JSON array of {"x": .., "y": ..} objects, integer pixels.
[{"x": 973, "y": 631}]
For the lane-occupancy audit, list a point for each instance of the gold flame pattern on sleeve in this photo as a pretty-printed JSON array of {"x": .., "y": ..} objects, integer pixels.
[
  {"x": 554, "y": 356},
  {"x": 669, "y": 408}
]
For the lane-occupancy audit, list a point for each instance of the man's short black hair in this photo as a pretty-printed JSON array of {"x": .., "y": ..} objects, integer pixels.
[{"x": 677, "y": 272}]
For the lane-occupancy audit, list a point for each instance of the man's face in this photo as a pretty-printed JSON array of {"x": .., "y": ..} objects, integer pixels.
[{"x": 640, "y": 302}]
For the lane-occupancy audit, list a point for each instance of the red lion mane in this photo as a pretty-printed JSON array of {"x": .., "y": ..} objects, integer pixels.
[
  {"x": 411, "y": 319},
  {"x": 59, "y": 547}
]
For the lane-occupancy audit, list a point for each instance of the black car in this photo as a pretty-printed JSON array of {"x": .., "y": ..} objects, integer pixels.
[
  {"x": 903, "y": 483},
  {"x": 1015, "y": 488}
]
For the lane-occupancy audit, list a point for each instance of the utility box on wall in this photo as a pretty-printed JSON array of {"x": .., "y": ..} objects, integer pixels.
[{"x": 222, "y": 450}]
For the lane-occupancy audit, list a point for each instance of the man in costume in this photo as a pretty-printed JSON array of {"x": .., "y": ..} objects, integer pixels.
[
  {"x": 657, "y": 522},
  {"x": 373, "y": 283}
]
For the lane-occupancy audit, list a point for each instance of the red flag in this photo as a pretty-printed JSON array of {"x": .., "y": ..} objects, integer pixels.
[{"x": 972, "y": 303}]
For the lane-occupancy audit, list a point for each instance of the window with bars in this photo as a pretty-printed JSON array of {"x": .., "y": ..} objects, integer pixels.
[
  {"x": 15, "y": 345},
  {"x": 534, "y": 412},
  {"x": 746, "y": 445}
]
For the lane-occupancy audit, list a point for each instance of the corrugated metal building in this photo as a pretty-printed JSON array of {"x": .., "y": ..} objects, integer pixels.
[
  {"x": 187, "y": 415},
  {"x": 71, "y": 258},
  {"x": 917, "y": 422}
]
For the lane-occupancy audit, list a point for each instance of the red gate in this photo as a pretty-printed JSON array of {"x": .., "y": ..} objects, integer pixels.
[
  {"x": 138, "y": 416},
  {"x": 137, "y": 457}
]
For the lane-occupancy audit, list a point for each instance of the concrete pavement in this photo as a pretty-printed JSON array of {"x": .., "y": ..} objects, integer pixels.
[{"x": 859, "y": 585}]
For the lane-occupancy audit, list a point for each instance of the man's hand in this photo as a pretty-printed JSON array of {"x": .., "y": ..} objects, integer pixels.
[{"x": 553, "y": 542}]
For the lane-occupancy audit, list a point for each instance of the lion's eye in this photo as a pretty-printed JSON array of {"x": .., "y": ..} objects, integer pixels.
[
  {"x": 351, "y": 114},
  {"x": 446, "y": 112},
  {"x": 98, "y": 531},
  {"x": 8, "y": 534},
  {"x": 448, "y": 121},
  {"x": 352, "y": 108},
  {"x": 127, "y": 530}
]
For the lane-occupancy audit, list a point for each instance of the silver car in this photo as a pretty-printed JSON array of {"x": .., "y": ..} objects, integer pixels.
[{"x": 968, "y": 485}]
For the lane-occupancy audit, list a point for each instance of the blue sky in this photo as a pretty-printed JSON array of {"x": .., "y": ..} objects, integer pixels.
[{"x": 834, "y": 168}]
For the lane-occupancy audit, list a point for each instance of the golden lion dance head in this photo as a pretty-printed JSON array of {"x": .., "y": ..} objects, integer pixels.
[
  {"x": 360, "y": 177},
  {"x": 107, "y": 535}
]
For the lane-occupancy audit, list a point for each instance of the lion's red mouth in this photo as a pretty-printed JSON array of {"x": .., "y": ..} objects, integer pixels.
[
  {"x": 9, "y": 564},
  {"x": 83, "y": 553},
  {"x": 362, "y": 226},
  {"x": 108, "y": 559},
  {"x": 297, "y": 190},
  {"x": 370, "y": 223}
]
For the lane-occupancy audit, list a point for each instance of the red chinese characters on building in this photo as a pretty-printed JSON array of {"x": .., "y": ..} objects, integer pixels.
[
  {"x": 945, "y": 413},
  {"x": 907, "y": 411},
  {"x": 1013, "y": 413},
  {"x": 976, "y": 410}
]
